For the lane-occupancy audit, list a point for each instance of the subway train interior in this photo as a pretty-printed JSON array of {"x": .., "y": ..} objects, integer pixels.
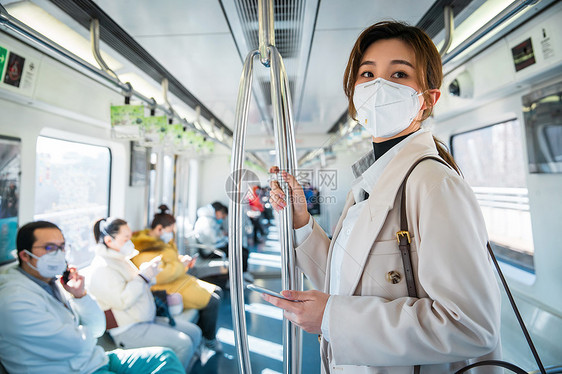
[{"x": 115, "y": 107}]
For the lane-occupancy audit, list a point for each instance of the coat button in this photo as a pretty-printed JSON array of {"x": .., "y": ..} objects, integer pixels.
[{"x": 393, "y": 277}]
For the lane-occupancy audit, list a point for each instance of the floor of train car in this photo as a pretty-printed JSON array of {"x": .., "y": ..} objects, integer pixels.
[{"x": 264, "y": 321}]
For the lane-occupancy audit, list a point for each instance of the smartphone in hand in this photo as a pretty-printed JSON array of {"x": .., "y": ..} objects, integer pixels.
[
  {"x": 259, "y": 289},
  {"x": 65, "y": 276}
]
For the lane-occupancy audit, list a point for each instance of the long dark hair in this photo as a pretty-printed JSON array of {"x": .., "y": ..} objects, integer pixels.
[
  {"x": 107, "y": 227},
  {"x": 428, "y": 67},
  {"x": 163, "y": 218}
]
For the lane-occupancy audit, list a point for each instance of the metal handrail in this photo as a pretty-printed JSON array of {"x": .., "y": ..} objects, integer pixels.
[
  {"x": 449, "y": 29},
  {"x": 235, "y": 217},
  {"x": 286, "y": 153},
  {"x": 23, "y": 32}
]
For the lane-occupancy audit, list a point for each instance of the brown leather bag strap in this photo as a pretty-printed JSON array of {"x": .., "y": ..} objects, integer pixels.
[{"x": 403, "y": 236}]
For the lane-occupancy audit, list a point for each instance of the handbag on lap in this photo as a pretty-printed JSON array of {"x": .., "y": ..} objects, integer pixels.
[{"x": 162, "y": 308}]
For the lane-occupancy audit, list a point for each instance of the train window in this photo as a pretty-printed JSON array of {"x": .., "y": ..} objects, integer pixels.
[
  {"x": 161, "y": 182},
  {"x": 168, "y": 180},
  {"x": 10, "y": 168},
  {"x": 492, "y": 161},
  {"x": 152, "y": 187},
  {"x": 72, "y": 190},
  {"x": 543, "y": 126}
]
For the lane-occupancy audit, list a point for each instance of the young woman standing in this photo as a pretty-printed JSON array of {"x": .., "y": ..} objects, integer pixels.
[{"x": 377, "y": 314}]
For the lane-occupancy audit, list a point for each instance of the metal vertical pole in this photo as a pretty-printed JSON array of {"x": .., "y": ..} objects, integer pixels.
[
  {"x": 285, "y": 146},
  {"x": 286, "y": 156},
  {"x": 235, "y": 217},
  {"x": 266, "y": 30}
]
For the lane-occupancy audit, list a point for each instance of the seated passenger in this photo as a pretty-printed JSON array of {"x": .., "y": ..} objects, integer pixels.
[
  {"x": 124, "y": 292},
  {"x": 51, "y": 326},
  {"x": 208, "y": 228},
  {"x": 209, "y": 231},
  {"x": 196, "y": 294}
]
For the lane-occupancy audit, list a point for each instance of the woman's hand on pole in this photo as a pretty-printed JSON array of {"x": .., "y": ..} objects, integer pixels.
[
  {"x": 278, "y": 199},
  {"x": 306, "y": 309}
]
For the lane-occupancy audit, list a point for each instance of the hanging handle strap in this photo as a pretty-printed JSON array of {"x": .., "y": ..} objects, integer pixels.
[{"x": 404, "y": 239}]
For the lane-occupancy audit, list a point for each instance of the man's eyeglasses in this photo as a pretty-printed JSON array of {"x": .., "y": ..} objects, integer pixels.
[{"x": 53, "y": 248}]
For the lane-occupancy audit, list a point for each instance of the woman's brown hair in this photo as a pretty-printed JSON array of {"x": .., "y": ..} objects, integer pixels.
[
  {"x": 163, "y": 218},
  {"x": 428, "y": 66}
]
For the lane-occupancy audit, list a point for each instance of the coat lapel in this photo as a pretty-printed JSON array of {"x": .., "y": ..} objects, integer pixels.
[{"x": 373, "y": 215}]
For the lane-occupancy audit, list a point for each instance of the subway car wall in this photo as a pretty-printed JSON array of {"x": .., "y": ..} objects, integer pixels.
[{"x": 489, "y": 115}]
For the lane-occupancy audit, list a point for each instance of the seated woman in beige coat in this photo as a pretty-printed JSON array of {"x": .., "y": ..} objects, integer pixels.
[
  {"x": 196, "y": 294},
  {"x": 375, "y": 311},
  {"x": 123, "y": 292}
]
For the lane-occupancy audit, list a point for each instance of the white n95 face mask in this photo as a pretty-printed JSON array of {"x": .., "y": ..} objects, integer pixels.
[
  {"x": 49, "y": 265},
  {"x": 167, "y": 236},
  {"x": 128, "y": 249},
  {"x": 385, "y": 108}
]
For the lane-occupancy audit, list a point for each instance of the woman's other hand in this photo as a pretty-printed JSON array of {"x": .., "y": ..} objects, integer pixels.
[
  {"x": 306, "y": 311},
  {"x": 278, "y": 199},
  {"x": 187, "y": 261},
  {"x": 149, "y": 270}
]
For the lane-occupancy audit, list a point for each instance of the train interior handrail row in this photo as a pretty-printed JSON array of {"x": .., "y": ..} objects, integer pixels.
[{"x": 117, "y": 117}]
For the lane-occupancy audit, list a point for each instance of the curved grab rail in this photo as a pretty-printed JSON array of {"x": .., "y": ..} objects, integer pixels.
[
  {"x": 235, "y": 217},
  {"x": 285, "y": 148},
  {"x": 287, "y": 161}
]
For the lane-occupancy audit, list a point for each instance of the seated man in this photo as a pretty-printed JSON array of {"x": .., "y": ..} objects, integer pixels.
[{"x": 51, "y": 326}]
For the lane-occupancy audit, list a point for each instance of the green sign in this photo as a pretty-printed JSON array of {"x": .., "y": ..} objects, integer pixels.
[
  {"x": 127, "y": 115},
  {"x": 3, "y": 54},
  {"x": 154, "y": 129},
  {"x": 155, "y": 124}
]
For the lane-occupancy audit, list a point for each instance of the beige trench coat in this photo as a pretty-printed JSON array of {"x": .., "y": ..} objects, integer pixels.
[{"x": 374, "y": 326}]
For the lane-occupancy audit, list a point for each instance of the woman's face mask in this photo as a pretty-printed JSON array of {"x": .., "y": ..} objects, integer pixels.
[
  {"x": 167, "y": 236},
  {"x": 49, "y": 265},
  {"x": 127, "y": 249},
  {"x": 385, "y": 108}
]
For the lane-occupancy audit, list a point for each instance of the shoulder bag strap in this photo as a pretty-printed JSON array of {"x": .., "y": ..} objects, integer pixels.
[
  {"x": 404, "y": 240},
  {"x": 403, "y": 236}
]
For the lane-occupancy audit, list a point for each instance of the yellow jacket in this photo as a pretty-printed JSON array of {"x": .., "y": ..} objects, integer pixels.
[{"x": 173, "y": 278}]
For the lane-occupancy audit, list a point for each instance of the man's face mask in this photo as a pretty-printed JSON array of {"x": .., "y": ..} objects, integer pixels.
[
  {"x": 50, "y": 264},
  {"x": 385, "y": 108}
]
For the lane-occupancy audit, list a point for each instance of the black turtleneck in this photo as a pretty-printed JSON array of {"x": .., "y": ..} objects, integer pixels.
[{"x": 383, "y": 147}]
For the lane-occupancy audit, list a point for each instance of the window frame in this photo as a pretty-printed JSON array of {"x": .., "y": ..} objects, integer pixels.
[{"x": 77, "y": 142}]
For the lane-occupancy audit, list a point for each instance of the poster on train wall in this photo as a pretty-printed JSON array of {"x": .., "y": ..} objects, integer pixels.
[
  {"x": 18, "y": 71},
  {"x": 10, "y": 169}
]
